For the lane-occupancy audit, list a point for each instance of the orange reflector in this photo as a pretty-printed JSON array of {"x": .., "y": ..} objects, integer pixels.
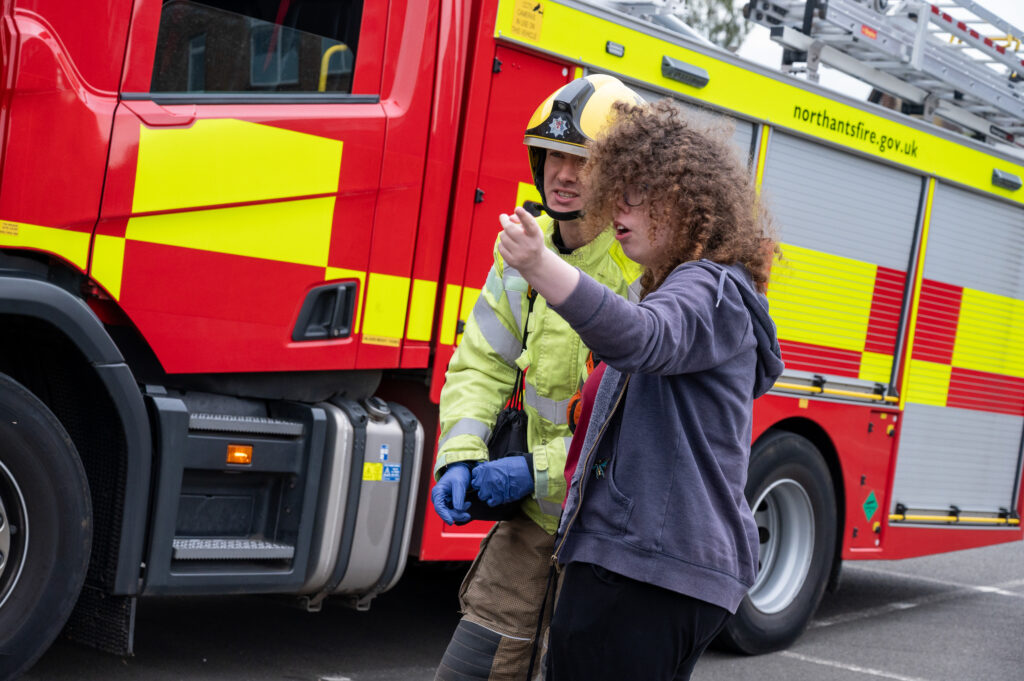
[{"x": 241, "y": 454}]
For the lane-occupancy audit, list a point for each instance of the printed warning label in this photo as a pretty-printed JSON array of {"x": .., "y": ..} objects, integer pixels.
[
  {"x": 373, "y": 471},
  {"x": 386, "y": 341},
  {"x": 527, "y": 17},
  {"x": 870, "y": 506},
  {"x": 392, "y": 473}
]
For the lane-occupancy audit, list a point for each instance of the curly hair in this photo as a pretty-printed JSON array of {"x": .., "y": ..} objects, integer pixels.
[{"x": 694, "y": 184}]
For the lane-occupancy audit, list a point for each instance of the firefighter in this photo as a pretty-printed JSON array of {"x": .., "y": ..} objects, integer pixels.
[{"x": 503, "y": 594}]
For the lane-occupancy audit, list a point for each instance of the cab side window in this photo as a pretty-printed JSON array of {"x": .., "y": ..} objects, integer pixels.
[{"x": 253, "y": 46}]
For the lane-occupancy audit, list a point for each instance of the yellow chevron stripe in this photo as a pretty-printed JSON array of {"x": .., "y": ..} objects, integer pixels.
[
  {"x": 70, "y": 245},
  {"x": 875, "y": 367},
  {"x": 929, "y": 383},
  {"x": 108, "y": 263},
  {"x": 449, "y": 314},
  {"x": 387, "y": 299},
  {"x": 821, "y": 298},
  {"x": 421, "y": 310},
  {"x": 289, "y": 231},
  {"x": 989, "y": 334},
  {"x": 224, "y": 161}
]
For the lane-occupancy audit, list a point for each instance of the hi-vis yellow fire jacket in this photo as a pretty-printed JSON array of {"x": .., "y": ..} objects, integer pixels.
[{"x": 482, "y": 371}]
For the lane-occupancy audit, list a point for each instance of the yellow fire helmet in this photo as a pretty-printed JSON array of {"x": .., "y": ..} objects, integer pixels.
[{"x": 572, "y": 116}]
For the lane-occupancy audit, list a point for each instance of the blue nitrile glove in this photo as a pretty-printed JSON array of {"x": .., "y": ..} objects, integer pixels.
[
  {"x": 449, "y": 494},
  {"x": 499, "y": 482}
]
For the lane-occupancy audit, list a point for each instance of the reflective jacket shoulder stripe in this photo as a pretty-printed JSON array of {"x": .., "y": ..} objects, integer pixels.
[
  {"x": 466, "y": 426},
  {"x": 495, "y": 333}
]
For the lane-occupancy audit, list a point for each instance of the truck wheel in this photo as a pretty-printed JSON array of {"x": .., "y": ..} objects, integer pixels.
[
  {"x": 790, "y": 491},
  {"x": 45, "y": 527}
]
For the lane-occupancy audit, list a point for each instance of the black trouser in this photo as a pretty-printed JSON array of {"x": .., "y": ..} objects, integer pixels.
[{"x": 607, "y": 626}]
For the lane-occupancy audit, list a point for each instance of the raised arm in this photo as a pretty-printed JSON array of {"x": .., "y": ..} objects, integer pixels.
[{"x": 521, "y": 244}]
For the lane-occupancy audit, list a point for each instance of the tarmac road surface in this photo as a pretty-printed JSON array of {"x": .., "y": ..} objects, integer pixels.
[{"x": 952, "y": 617}]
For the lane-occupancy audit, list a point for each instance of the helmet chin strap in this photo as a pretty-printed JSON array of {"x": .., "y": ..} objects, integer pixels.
[{"x": 559, "y": 215}]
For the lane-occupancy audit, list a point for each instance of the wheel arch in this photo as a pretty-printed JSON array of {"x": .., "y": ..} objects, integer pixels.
[
  {"x": 824, "y": 443},
  {"x": 56, "y": 347}
]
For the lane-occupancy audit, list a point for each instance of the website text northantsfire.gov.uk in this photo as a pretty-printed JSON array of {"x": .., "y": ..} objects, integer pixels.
[{"x": 856, "y": 130}]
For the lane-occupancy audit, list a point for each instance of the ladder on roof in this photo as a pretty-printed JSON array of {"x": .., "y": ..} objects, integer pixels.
[{"x": 948, "y": 58}]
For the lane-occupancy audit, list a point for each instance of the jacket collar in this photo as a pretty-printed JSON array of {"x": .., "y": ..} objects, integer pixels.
[{"x": 587, "y": 255}]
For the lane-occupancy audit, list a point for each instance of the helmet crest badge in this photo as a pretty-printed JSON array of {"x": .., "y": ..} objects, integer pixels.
[{"x": 558, "y": 127}]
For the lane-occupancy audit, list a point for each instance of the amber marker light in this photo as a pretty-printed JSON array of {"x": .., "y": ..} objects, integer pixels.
[{"x": 240, "y": 454}]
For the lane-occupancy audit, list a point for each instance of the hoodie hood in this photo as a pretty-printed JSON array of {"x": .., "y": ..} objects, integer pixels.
[{"x": 769, "y": 354}]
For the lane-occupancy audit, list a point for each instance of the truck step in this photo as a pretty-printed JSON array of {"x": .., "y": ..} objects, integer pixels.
[
  {"x": 231, "y": 549},
  {"x": 254, "y": 425}
]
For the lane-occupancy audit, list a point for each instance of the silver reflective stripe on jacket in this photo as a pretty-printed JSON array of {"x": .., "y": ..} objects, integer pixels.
[
  {"x": 514, "y": 286},
  {"x": 540, "y": 486},
  {"x": 493, "y": 285},
  {"x": 497, "y": 336},
  {"x": 552, "y": 410},
  {"x": 467, "y": 426},
  {"x": 549, "y": 507}
]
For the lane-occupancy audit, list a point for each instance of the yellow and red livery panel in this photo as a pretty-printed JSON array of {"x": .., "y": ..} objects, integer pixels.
[{"x": 218, "y": 218}]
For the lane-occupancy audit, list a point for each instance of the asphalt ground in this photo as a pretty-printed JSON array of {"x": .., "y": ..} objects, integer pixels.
[{"x": 951, "y": 617}]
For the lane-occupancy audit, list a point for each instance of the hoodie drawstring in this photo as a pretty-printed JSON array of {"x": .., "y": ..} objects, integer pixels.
[{"x": 721, "y": 287}]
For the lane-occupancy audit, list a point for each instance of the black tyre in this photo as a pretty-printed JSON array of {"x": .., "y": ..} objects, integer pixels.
[
  {"x": 45, "y": 528},
  {"x": 790, "y": 491}
]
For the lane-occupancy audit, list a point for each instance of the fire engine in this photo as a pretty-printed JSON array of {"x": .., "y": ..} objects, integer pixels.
[{"x": 238, "y": 240}]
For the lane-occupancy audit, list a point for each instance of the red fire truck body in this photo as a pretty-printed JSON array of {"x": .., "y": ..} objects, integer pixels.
[{"x": 238, "y": 241}]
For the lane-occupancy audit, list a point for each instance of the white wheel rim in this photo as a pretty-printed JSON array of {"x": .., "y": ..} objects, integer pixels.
[
  {"x": 12, "y": 534},
  {"x": 785, "y": 525}
]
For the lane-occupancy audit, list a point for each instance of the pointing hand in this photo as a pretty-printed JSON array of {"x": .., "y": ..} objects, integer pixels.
[{"x": 522, "y": 241}]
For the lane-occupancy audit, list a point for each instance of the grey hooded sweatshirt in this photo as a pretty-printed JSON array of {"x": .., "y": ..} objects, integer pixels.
[{"x": 657, "y": 495}]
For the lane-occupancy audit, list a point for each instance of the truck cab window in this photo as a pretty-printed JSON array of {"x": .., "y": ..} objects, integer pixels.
[{"x": 217, "y": 46}]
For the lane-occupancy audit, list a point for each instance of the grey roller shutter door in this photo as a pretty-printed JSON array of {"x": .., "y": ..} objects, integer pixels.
[
  {"x": 962, "y": 445},
  {"x": 840, "y": 218},
  {"x": 829, "y": 200},
  {"x": 976, "y": 241},
  {"x": 956, "y": 457}
]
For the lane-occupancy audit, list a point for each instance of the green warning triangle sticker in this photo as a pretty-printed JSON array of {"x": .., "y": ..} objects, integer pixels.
[{"x": 870, "y": 505}]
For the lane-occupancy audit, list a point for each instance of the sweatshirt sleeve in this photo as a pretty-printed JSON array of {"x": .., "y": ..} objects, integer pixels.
[{"x": 685, "y": 326}]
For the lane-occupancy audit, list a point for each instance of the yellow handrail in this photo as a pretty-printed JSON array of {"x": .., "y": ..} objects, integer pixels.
[
  {"x": 325, "y": 60},
  {"x": 903, "y": 517},
  {"x": 819, "y": 390}
]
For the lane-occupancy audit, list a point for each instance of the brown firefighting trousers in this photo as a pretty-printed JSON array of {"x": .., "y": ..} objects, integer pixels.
[{"x": 502, "y": 597}]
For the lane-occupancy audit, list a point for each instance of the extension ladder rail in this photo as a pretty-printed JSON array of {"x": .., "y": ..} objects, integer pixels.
[{"x": 949, "y": 62}]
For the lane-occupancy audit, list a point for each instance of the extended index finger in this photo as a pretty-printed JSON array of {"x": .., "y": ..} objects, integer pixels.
[{"x": 529, "y": 222}]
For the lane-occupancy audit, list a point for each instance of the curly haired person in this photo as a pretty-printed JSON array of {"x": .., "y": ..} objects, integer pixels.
[{"x": 657, "y": 540}]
